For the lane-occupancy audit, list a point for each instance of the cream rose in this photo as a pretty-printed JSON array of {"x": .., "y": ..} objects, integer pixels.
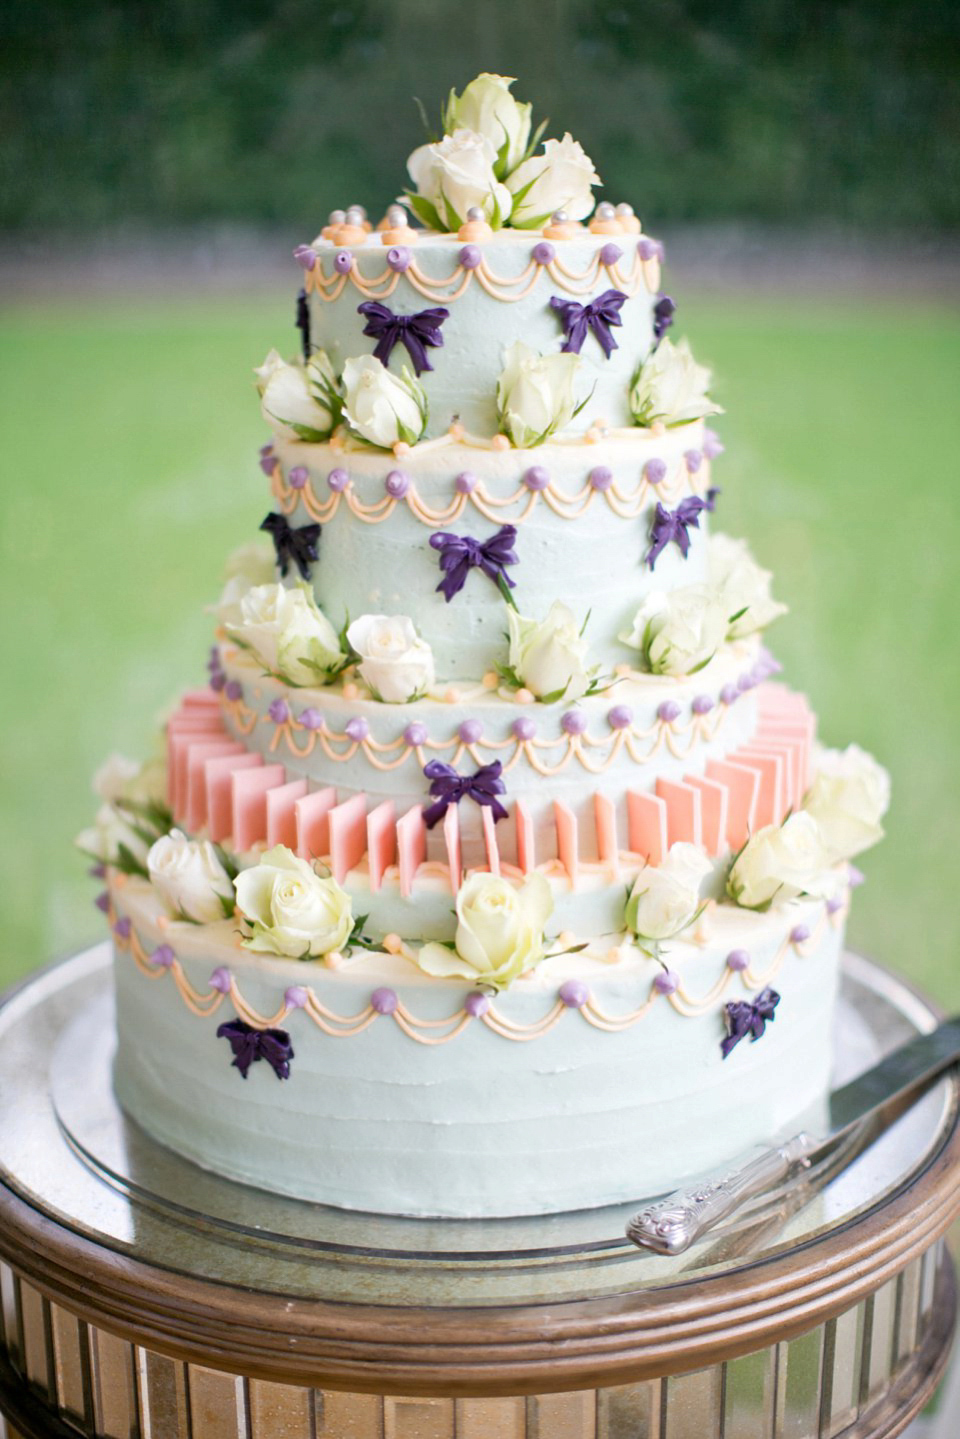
[
  {"x": 666, "y": 897},
  {"x": 487, "y": 108},
  {"x": 110, "y": 835},
  {"x": 848, "y": 799},
  {"x": 456, "y": 175},
  {"x": 742, "y": 587},
  {"x": 678, "y": 631},
  {"x": 499, "y": 931},
  {"x": 671, "y": 387},
  {"x": 190, "y": 878},
  {"x": 289, "y": 634},
  {"x": 394, "y": 662},
  {"x": 535, "y": 394},
  {"x": 780, "y": 862},
  {"x": 293, "y": 910},
  {"x": 300, "y": 402},
  {"x": 380, "y": 407},
  {"x": 549, "y": 656},
  {"x": 247, "y": 567},
  {"x": 562, "y": 178}
]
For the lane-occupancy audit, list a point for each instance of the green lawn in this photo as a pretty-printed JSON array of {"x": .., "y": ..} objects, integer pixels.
[{"x": 130, "y": 445}]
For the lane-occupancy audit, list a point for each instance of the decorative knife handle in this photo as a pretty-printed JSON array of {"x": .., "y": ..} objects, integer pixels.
[{"x": 671, "y": 1225}]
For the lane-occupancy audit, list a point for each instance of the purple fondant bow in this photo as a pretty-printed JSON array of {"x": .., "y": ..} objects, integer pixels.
[
  {"x": 671, "y": 526},
  {"x": 299, "y": 545},
  {"x": 598, "y": 316},
  {"x": 459, "y": 554},
  {"x": 250, "y": 1045},
  {"x": 302, "y": 322},
  {"x": 448, "y": 787},
  {"x": 743, "y": 1018},
  {"x": 663, "y": 312},
  {"x": 415, "y": 332}
]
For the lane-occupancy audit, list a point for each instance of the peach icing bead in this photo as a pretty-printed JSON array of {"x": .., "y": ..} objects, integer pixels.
[
  {"x": 392, "y": 943},
  {"x": 500, "y": 442},
  {"x": 401, "y": 448},
  {"x": 348, "y": 234},
  {"x": 119, "y": 879},
  {"x": 401, "y": 235},
  {"x": 566, "y": 937},
  {"x": 524, "y": 697},
  {"x": 475, "y": 230},
  {"x": 621, "y": 669},
  {"x": 163, "y": 921},
  {"x": 629, "y": 224},
  {"x": 658, "y": 428},
  {"x": 566, "y": 230},
  {"x": 602, "y": 423},
  {"x": 593, "y": 436},
  {"x": 350, "y": 691},
  {"x": 334, "y": 959},
  {"x": 605, "y": 227},
  {"x": 451, "y": 696},
  {"x": 456, "y": 431},
  {"x": 490, "y": 680}
]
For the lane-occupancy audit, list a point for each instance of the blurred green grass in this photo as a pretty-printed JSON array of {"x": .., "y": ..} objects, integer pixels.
[{"x": 130, "y": 436}]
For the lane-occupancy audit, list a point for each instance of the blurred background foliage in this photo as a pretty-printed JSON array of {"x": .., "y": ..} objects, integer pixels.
[{"x": 130, "y": 112}]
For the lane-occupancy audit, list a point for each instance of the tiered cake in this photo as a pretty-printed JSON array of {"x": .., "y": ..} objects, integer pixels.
[{"x": 493, "y": 873}]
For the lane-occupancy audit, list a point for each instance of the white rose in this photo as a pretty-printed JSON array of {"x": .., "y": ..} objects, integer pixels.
[
  {"x": 456, "y": 175},
  {"x": 110, "y": 833},
  {"x": 535, "y": 396},
  {"x": 562, "y": 178},
  {"x": 679, "y": 631},
  {"x": 780, "y": 862},
  {"x": 111, "y": 780},
  {"x": 665, "y": 897},
  {"x": 301, "y": 402},
  {"x": 487, "y": 108},
  {"x": 848, "y": 799},
  {"x": 548, "y": 656},
  {"x": 499, "y": 931},
  {"x": 380, "y": 407},
  {"x": 248, "y": 566},
  {"x": 395, "y": 663},
  {"x": 671, "y": 387},
  {"x": 293, "y": 910},
  {"x": 189, "y": 877},
  {"x": 289, "y": 634},
  {"x": 742, "y": 586}
]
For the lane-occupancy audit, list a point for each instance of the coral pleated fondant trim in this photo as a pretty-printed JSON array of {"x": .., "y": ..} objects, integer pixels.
[{"x": 424, "y": 1031}]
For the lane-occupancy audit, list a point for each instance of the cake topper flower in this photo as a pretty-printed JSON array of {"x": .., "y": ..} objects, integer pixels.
[
  {"x": 743, "y": 587},
  {"x": 454, "y": 176},
  {"x": 291, "y": 909},
  {"x": 449, "y": 787},
  {"x": 381, "y": 408},
  {"x": 562, "y": 178},
  {"x": 780, "y": 862},
  {"x": 671, "y": 387},
  {"x": 487, "y": 108},
  {"x": 744, "y": 1017},
  {"x": 290, "y": 636},
  {"x": 665, "y": 900},
  {"x": 848, "y": 799},
  {"x": 459, "y": 554},
  {"x": 549, "y": 657},
  {"x": 414, "y": 332},
  {"x": 679, "y": 631},
  {"x": 599, "y": 316},
  {"x": 250, "y": 1045},
  {"x": 535, "y": 395},
  {"x": 500, "y": 931},
  {"x": 190, "y": 877},
  {"x": 296, "y": 545},
  {"x": 300, "y": 401},
  {"x": 393, "y": 661}
]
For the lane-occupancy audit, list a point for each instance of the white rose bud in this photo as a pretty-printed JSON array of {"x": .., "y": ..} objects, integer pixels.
[
  {"x": 456, "y": 175},
  {"x": 678, "y": 631},
  {"x": 499, "y": 931},
  {"x": 549, "y": 656},
  {"x": 289, "y": 634},
  {"x": 300, "y": 402},
  {"x": 666, "y": 897},
  {"x": 114, "y": 776},
  {"x": 109, "y": 834},
  {"x": 394, "y": 662},
  {"x": 535, "y": 394},
  {"x": 671, "y": 387},
  {"x": 780, "y": 862},
  {"x": 293, "y": 910},
  {"x": 380, "y": 407},
  {"x": 848, "y": 799},
  {"x": 742, "y": 587},
  {"x": 190, "y": 878},
  {"x": 562, "y": 178},
  {"x": 247, "y": 567},
  {"x": 487, "y": 108}
]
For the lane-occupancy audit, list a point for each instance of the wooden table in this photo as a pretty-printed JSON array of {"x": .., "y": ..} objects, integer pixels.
[{"x": 141, "y": 1298}]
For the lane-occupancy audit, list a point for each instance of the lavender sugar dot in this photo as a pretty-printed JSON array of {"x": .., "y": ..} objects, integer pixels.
[
  {"x": 213, "y": 663},
  {"x": 279, "y": 711},
  {"x": 343, "y": 262},
  {"x": 102, "y": 902},
  {"x": 470, "y": 257},
  {"x": 163, "y": 956},
  {"x": 524, "y": 728},
  {"x": 338, "y": 480},
  {"x": 266, "y": 449},
  {"x": 296, "y": 997},
  {"x": 470, "y": 731},
  {"x": 218, "y": 682},
  {"x": 620, "y": 717},
  {"x": 311, "y": 718},
  {"x": 123, "y": 927},
  {"x": 220, "y": 980},
  {"x": 357, "y": 728},
  {"x": 728, "y": 694},
  {"x": 738, "y": 960},
  {"x": 834, "y": 905},
  {"x": 543, "y": 252},
  {"x": 600, "y": 477},
  {"x": 298, "y": 477},
  {"x": 799, "y": 933},
  {"x": 746, "y": 682},
  {"x": 610, "y": 254},
  {"x": 573, "y": 993},
  {"x": 476, "y": 1004},
  {"x": 693, "y": 459},
  {"x": 702, "y": 705},
  {"x": 667, "y": 711},
  {"x": 397, "y": 484},
  {"x": 97, "y": 871},
  {"x": 268, "y": 464},
  {"x": 384, "y": 1001},
  {"x": 536, "y": 478},
  {"x": 234, "y": 690},
  {"x": 654, "y": 471},
  {"x": 573, "y": 722},
  {"x": 712, "y": 445},
  {"x": 646, "y": 249},
  {"x": 398, "y": 258},
  {"x": 855, "y": 877},
  {"x": 465, "y": 483},
  {"x": 667, "y": 982},
  {"x": 415, "y": 734},
  {"x": 306, "y": 256}
]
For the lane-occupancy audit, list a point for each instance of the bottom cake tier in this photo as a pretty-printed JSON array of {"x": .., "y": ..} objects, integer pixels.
[{"x": 599, "y": 1077}]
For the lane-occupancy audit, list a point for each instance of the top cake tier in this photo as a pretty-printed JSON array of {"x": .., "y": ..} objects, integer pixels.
[{"x": 514, "y": 286}]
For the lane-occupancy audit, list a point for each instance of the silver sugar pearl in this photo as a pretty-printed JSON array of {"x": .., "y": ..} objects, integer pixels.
[
  {"x": 396, "y": 217},
  {"x": 361, "y": 210},
  {"x": 475, "y": 213},
  {"x": 624, "y": 209},
  {"x": 559, "y": 217},
  {"x": 336, "y": 217},
  {"x": 605, "y": 210},
  {"x": 354, "y": 215}
]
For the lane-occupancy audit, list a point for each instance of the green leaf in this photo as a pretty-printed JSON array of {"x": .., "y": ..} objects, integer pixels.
[
  {"x": 500, "y": 164},
  {"x": 227, "y": 905},
  {"x": 506, "y": 591},
  {"x": 534, "y": 142},
  {"x": 586, "y": 621},
  {"x": 430, "y": 133},
  {"x": 554, "y": 695},
  {"x": 454, "y": 221},
  {"x": 425, "y": 211},
  {"x": 127, "y": 863},
  {"x": 536, "y": 222}
]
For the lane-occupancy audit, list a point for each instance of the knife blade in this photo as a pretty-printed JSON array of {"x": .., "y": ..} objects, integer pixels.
[{"x": 670, "y": 1225}]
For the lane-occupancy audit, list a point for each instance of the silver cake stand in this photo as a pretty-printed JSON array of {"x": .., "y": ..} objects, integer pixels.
[{"x": 142, "y": 1298}]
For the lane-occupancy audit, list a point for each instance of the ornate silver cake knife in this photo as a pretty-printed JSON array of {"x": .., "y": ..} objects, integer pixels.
[{"x": 672, "y": 1224}]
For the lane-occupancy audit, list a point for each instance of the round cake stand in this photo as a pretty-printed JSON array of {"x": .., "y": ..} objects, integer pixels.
[{"x": 142, "y": 1298}]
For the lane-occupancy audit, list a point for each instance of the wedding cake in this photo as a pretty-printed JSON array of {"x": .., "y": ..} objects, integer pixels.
[{"x": 493, "y": 872}]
